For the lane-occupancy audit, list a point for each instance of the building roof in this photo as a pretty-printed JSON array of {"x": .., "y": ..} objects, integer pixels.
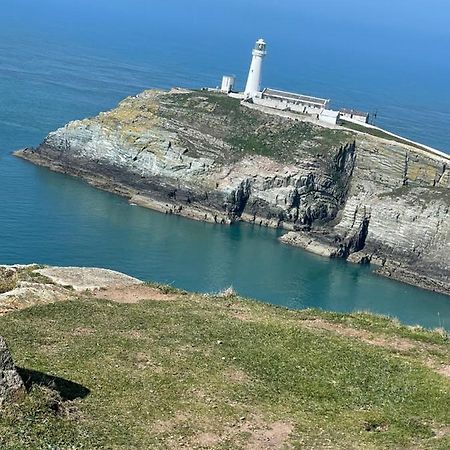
[
  {"x": 353, "y": 112},
  {"x": 330, "y": 113},
  {"x": 295, "y": 97}
]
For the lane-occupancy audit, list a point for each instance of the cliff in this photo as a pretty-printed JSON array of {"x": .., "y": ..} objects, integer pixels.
[
  {"x": 110, "y": 362},
  {"x": 339, "y": 192}
]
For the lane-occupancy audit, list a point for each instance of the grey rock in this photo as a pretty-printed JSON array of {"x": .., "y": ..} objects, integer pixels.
[
  {"x": 12, "y": 388},
  {"x": 336, "y": 191},
  {"x": 87, "y": 278}
]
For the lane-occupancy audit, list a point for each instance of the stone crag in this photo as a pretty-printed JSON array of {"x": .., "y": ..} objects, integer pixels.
[
  {"x": 338, "y": 192},
  {"x": 12, "y": 387}
]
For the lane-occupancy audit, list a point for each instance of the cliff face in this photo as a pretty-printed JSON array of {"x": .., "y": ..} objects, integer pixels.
[
  {"x": 203, "y": 155},
  {"x": 404, "y": 195}
]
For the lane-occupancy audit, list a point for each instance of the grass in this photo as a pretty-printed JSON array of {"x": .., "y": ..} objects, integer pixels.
[
  {"x": 250, "y": 132},
  {"x": 166, "y": 288},
  {"x": 221, "y": 372},
  {"x": 423, "y": 195},
  {"x": 10, "y": 279},
  {"x": 380, "y": 133}
]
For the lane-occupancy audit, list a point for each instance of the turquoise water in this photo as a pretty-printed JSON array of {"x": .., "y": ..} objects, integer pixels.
[{"x": 60, "y": 62}]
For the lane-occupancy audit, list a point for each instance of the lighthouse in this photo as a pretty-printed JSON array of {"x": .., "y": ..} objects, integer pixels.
[{"x": 253, "y": 85}]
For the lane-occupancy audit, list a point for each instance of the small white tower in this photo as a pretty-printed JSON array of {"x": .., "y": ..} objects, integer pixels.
[{"x": 254, "y": 76}]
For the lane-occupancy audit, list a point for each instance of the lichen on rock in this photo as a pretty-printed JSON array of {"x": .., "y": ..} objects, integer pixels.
[
  {"x": 206, "y": 156},
  {"x": 12, "y": 387}
]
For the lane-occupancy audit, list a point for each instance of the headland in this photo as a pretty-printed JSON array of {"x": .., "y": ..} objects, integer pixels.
[
  {"x": 111, "y": 362},
  {"x": 338, "y": 192}
]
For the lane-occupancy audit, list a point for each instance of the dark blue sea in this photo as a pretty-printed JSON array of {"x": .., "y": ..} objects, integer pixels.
[{"x": 62, "y": 60}]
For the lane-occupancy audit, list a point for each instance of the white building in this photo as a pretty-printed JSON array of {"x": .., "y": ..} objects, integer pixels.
[
  {"x": 354, "y": 116},
  {"x": 253, "y": 85},
  {"x": 329, "y": 116},
  {"x": 228, "y": 83},
  {"x": 288, "y": 101},
  {"x": 282, "y": 100}
]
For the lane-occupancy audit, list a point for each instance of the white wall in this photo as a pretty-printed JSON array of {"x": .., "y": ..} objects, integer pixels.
[
  {"x": 332, "y": 120},
  {"x": 227, "y": 84},
  {"x": 355, "y": 118},
  {"x": 302, "y": 108}
]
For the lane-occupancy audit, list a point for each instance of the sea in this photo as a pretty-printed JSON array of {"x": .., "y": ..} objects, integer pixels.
[{"x": 62, "y": 60}]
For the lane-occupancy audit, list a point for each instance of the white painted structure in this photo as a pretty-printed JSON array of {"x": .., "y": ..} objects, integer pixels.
[
  {"x": 315, "y": 107},
  {"x": 228, "y": 83},
  {"x": 288, "y": 101},
  {"x": 253, "y": 85},
  {"x": 354, "y": 116},
  {"x": 329, "y": 116}
]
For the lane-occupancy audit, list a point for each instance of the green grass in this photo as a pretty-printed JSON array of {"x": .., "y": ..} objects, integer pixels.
[
  {"x": 166, "y": 288},
  {"x": 9, "y": 279},
  {"x": 379, "y": 133},
  {"x": 210, "y": 372},
  {"x": 423, "y": 195},
  {"x": 251, "y": 132}
]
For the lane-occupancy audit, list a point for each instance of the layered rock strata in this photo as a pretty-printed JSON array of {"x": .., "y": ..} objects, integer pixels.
[{"x": 339, "y": 192}]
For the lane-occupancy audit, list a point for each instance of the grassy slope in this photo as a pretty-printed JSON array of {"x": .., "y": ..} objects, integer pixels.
[
  {"x": 252, "y": 132},
  {"x": 380, "y": 133},
  {"x": 207, "y": 372}
]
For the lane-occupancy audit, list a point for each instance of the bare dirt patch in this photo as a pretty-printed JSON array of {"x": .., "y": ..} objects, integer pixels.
[
  {"x": 83, "y": 331},
  {"x": 132, "y": 294},
  {"x": 207, "y": 440},
  {"x": 392, "y": 343},
  {"x": 236, "y": 376},
  {"x": 143, "y": 361},
  {"x": 253, "y": 432},
  {"x": 439, "y": 367},
  {"x": 441, "y": 432},
  {"x": 444, "y": 369},
  {"x": 273, "y": 436},
  {"x": 242, "y": 314},
  {"x": 389, "y": 342},
  {"x": 164, "y": 426}
]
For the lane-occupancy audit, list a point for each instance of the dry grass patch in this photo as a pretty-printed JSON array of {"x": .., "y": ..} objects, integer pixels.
[{"x": 133, "y": 294}]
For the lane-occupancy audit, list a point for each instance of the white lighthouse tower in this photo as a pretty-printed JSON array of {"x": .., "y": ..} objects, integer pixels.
[{"x": 253, "y": 85}]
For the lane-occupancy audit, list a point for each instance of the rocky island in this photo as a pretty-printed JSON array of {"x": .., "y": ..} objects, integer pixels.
[{"x": 337, "y": 191}]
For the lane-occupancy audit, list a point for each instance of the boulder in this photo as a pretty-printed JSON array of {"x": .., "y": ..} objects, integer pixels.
[{"x": 12, "y": 387}]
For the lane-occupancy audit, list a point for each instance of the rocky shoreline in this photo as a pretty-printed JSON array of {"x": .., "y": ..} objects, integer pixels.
[{"x": 202, "y": 155}]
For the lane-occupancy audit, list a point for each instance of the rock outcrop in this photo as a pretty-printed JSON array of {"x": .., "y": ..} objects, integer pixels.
[
  {"x": 87, "y": 278},
  {"x": 29, "y": 285},
  {"x": 12, "y": 387},
  {"x": 203, "y": 155}
]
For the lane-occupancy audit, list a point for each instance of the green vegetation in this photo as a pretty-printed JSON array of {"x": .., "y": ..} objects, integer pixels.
[
  {"x": 249, "y": 131},
  {"x": 422, "y": 195},
  {"x": 166, "y": 288},
  {"x": 9, "y": 278},
  {"x": 43, "y": 421},
  {"x": 192, "y": 371},
  {"x": 379, "y": 133}
]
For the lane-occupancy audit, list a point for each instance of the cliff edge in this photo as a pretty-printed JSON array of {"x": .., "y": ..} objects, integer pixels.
[{"x": 337, "y": 192}]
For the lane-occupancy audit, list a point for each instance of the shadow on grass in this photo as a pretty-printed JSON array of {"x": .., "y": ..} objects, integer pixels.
[{"x": 68, "y": 390}]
